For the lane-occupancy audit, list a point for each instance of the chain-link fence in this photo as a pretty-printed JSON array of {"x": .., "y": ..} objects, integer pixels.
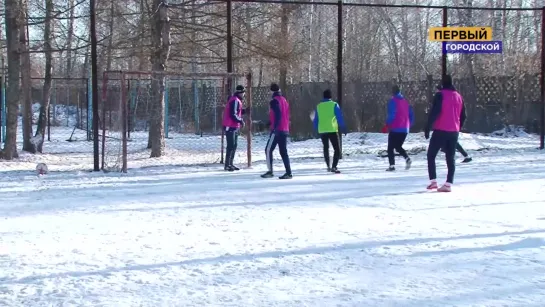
[
  {"x": 189, "y": 109},
  {"x": 296, "y": 45},
  {"x": 299, "y": 45}
]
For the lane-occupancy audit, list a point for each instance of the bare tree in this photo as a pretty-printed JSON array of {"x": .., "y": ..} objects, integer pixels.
[
  {"x": 13, "y": 95},
  {"x": 44, "y": 109},
  {"x": 160, "y": 37},
  {"x": 26, "y": 82}
]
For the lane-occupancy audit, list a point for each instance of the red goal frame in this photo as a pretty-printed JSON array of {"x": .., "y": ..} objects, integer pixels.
[{"x": 122, "y": 77}]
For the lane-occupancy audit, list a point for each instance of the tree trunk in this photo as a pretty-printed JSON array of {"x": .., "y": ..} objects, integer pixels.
[
  {"x": 160, "y": 37},
  {"x": 26, "y": 82},
  {"x": 44, "y": 109},
  {"x": 69, "y": 39},
  {"x": 142, "y": 41},
  {"x": 109, "y": 49},
  {"x": 284, "y": 31},
  {"x": 13, "y": 94}
]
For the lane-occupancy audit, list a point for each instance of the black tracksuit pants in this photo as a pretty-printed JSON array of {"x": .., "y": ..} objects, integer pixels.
[
  {"x": 231, "y": 136},
  {"x": 396, "y": 141},
  {"x": 447, "y": 141},
  {"x": 461, "y": 150},
  {"x": 332, "y": 137},
  {"x": 279, "y": 138}
]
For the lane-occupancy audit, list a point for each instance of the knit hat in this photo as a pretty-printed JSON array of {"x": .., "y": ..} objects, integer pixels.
[
  {"x": 447, "y": 81},
  {"x": 275, "y": 87},
  {"x": 240, "y": 89},
  {"x": 327, "y": 94}
]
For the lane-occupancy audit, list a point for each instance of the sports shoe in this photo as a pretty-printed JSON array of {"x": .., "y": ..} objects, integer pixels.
[
  {"x": 335, "y": 170},
  {"x": 267, "y": 175},
  {"x": 391, "y": 168},
  {"x": 286, "y": 176},
  {"x": 467, "y": 159},
  {"x": 228, "y": 168},
  {"x": 432, "y": 185},
  {"x": 444, "y": 188},
  {"x": 408, "y": 163},
  {"x": 235, "y": 168}
]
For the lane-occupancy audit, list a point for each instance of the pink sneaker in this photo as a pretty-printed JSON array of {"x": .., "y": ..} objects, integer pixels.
[
  {"x": 432, "y": 185},
  {"x": 444, "y": 188}
]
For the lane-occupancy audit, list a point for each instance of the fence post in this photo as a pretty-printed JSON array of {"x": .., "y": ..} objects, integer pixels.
[
  {"x": 94, "y": 84},
  {"x": 444, "y": 55},
  {"x": 542, "y": 80},
  {"x": 249, "y": 102},
  {"x": 167, "y": 105},
  {"x": 89, "y": 108},
  {"x": 2, "y": 110},
  {"x": 340, "y": 64}
]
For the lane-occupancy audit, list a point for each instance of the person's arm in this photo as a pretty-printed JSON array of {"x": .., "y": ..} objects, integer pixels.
[
  {"x": 235, "y": 106},
  {"x": 391, "y": 112},
  {"x": 435, "y": 110},
  {"x": 316, "y": 119},
  {"x": 411, "y": 115},
  {"x": 275, "y": 107},
  {"x": 463, "y": 115},
  {"x": 340, "y": 118}
]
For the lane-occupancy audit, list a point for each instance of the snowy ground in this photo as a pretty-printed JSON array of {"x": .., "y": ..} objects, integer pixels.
[
  {"x": 172, "y": 236},
  {"x": 190, "y": 149}
]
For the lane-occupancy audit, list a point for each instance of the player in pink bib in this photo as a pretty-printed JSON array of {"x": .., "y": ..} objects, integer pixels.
[
  {"x": 447, "y": 116},
  {"x": 232, "y": 123}
]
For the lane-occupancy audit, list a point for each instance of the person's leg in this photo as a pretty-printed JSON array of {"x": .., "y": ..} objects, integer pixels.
[
  {"x": 235, "y": 145},
  {"x": 283, "y": 149},
  {"x": 436, "y": 143},
  {"x": 450, "y": 153},
  {"x": 461, "y": 150},
  {"x": 325, "y": 143},
  {"x": 467, "y": 158},
  {"x": 271, "y": 145},
  {"x": 390, "y": 150},
  {"x": 334, "y": 139},
  {"x": 230, "y": 139},
  {"x": 401, "y": 137}
]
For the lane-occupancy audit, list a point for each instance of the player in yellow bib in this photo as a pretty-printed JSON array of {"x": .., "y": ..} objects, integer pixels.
[{"x": 328, "y": 118}]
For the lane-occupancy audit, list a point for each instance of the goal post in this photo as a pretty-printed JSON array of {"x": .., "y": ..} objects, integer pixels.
[{"x": 190, "y": 115}]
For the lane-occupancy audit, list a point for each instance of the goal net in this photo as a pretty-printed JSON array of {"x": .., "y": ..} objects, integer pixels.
[{"x": 180, "y": 112}]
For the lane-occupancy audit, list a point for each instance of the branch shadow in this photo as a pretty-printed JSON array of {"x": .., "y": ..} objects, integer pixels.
[
  {"x": 478, "y": 205},
  {"x": 526, "y": 243},
  {"x": 193, "y": 189},
  {"x": 269, "y": 254}
]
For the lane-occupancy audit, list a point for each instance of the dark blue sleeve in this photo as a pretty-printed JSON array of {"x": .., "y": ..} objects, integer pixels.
[
  {"x": 235, "y": 106},
  {"x": 411, "y": 115},
  {"x": 340, "y": 118},
  {"x": 391, "y": 111},
  {"x": 316, "y": 119},
  {"x": 435, "y": 110},
  {"x": 275, "y": 107},
  {"x": 463, "y": 115}
]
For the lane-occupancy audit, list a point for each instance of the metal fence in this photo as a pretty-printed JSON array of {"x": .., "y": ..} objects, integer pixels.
[
  {"x": 361, "y": 50},
  {"x": 357, "y": 50}
]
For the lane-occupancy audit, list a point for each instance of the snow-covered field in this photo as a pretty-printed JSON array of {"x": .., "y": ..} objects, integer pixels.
[
  {"x": 172, "y": 235},
  {"x": 196, "y": 236}
]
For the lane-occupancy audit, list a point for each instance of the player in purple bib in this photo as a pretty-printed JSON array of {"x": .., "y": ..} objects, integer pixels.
[{"x": 399, "y": 121}]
